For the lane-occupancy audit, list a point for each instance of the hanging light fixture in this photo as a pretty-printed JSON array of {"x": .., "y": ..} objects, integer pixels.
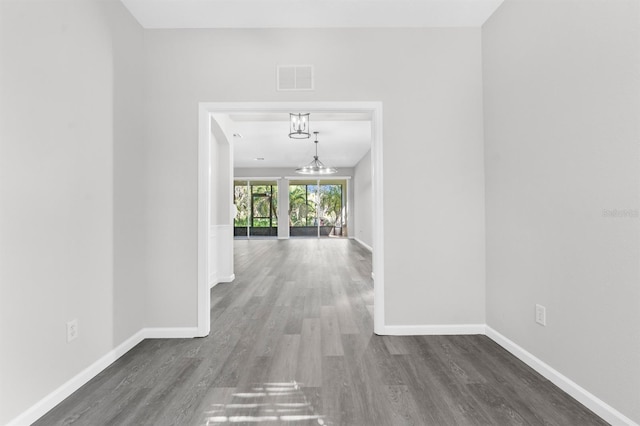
[
  {"x": 299, "y": 126},
  {"x": 315, "y": 167}
]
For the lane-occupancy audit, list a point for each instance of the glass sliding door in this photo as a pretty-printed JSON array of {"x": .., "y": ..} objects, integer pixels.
[
  {"x": 264, "y": 209},
  {"x": 316, "y": 208},
  {"x": 256, "y": 208},
  {"x": 330, "y": 211},
  {"x": 242, "y": 206},
  {"x": 302, "y": 210}
]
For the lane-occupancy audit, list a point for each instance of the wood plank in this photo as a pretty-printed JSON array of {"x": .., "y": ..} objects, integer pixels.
[
  {"x": 309, "y": 367},
  {"x": 336, "y": 394},
  {"x": 343, "y": 308},
  {"x": 312, "y": 302},
  {"x": 405, "y": 408},
  {"x": 293, "y": 336},
  {"x": 331, "y": 342},
  {"x": 370, "y": 402},
  {"x": 296, "y": 315},
  {"x": 285, "y": 359}
]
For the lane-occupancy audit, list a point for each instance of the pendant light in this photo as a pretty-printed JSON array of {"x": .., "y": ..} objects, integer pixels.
[
  {"x": 315, "y": 167},
  {"x": 299, "y": 126}
]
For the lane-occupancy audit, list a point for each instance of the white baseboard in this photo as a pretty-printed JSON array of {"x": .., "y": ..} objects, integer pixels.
[
  {"x": 57, "y": 396},
  {"x": 171, "y": 333},
  {"x": 428, "y": 330},
  {"x": 43, "y": 406},
  {"x": 226, "y": 279},
  {"x": 217, "y": 280},
  {"x": 363, "y": 244},
  {"x": 602, "y": 409}
]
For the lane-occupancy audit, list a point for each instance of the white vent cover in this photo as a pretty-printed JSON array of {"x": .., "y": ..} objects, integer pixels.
[{"x": 295, "y": 77}]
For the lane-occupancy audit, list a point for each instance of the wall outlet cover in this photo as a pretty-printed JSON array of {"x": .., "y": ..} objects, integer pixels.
[
  {"x": 72, "y": 330},
  {"x": 541, "y": 315}
]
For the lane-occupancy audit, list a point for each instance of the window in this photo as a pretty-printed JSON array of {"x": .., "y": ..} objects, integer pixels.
[
  {"x": 264, "y": 206},
  {"x": 302, "y": 205},
  {"x": 256, "y": 208},
  {"x": 241, "y": 201},
  {"x": 330, "y": 205},
  {"x": 315, "y": 208}
]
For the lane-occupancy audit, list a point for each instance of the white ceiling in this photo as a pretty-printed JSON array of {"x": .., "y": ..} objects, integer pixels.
[
  {"x": 310, "y": 13},
  {"x": 344, "y": 138}
]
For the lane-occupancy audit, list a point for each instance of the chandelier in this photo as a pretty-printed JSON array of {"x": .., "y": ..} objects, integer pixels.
[
  {"x": 316, "y": 167},
  {"x": 299, "y": 126}
]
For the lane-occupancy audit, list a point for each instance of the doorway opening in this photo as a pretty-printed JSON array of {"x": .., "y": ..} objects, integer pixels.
[{"x": 216, "y": 192}]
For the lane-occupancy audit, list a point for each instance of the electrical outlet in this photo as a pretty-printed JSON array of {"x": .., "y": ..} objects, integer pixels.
[
  {"x": 72, "y": 330},
  {"x": 541, "y": 315}
]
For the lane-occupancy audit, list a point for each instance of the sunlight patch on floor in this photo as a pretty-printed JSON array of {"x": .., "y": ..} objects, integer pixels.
[{"x": 281, "y": 402}]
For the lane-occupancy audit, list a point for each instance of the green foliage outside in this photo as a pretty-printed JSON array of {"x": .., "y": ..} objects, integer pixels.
[
  {"x": 265, "y": 205},
  {"x": 331, "y": 204},
  {"x": 304, "y": 200},
  {"x": 304, "y": 205},
  {"x": 241, "y": 200}
]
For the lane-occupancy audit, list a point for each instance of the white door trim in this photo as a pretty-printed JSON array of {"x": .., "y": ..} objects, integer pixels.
[
  {"x": 205, "y": 110},
  {"x": 204, "y": 215}
]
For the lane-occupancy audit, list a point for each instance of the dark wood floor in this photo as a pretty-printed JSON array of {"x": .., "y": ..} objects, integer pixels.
[{"x": 292, "y": 343}]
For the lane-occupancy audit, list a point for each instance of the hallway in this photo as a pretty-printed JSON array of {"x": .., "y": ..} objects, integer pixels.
[{"x": 292, "y": 343}]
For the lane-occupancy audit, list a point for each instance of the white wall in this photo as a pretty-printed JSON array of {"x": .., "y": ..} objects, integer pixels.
[
  {"x": 129, "y": 231},
  {"x": 283, "y": 208},
  {"x": 561, "y": 87},
  {"x": 70, "y": 226},
  {"x": 221, "y": 199},
  {"x": 214, "y": 188},
  {"x": 432, "y": 135},
  {"x": 362, "y": 209},
  {"x": 222, "y": 168}
]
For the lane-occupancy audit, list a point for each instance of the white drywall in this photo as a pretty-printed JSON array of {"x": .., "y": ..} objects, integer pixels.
[
  {"x": 214, "y": 188},
  {"x": 362, "y": 185},
  {"x": 129, "y": 230},
  {"x": 70, "y": 227},
  {"x": 221, "y": 199},
  {"x": 283, "y": 208},
  {"x": 432, "y": 136},
  {"x": 561, "y": 90}
]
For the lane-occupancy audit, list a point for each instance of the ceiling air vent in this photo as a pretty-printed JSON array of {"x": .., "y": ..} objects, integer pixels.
[{"x": 295, "y": 77}]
